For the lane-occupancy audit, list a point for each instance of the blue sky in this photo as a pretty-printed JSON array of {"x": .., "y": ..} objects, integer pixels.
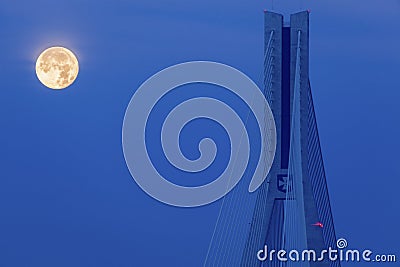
[{"x": 66, "y": 196}]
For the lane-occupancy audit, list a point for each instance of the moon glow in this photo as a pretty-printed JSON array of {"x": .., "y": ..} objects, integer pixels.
[{"x": 57, "y": 67}]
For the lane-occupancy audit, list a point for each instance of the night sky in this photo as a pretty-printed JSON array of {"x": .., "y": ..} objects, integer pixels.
[{"x": 66, "y": 195}]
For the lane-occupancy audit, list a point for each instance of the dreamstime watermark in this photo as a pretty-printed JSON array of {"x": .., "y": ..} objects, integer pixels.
[
  {"x": 331, "y": 254},
  {"x": 135, "y": 135}
]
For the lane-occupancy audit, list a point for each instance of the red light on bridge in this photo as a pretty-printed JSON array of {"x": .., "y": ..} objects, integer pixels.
[{"x": 319, "y": 224}]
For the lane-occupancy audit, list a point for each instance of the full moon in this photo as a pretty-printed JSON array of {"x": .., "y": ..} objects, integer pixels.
[{"x": 57, "y": 67}]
